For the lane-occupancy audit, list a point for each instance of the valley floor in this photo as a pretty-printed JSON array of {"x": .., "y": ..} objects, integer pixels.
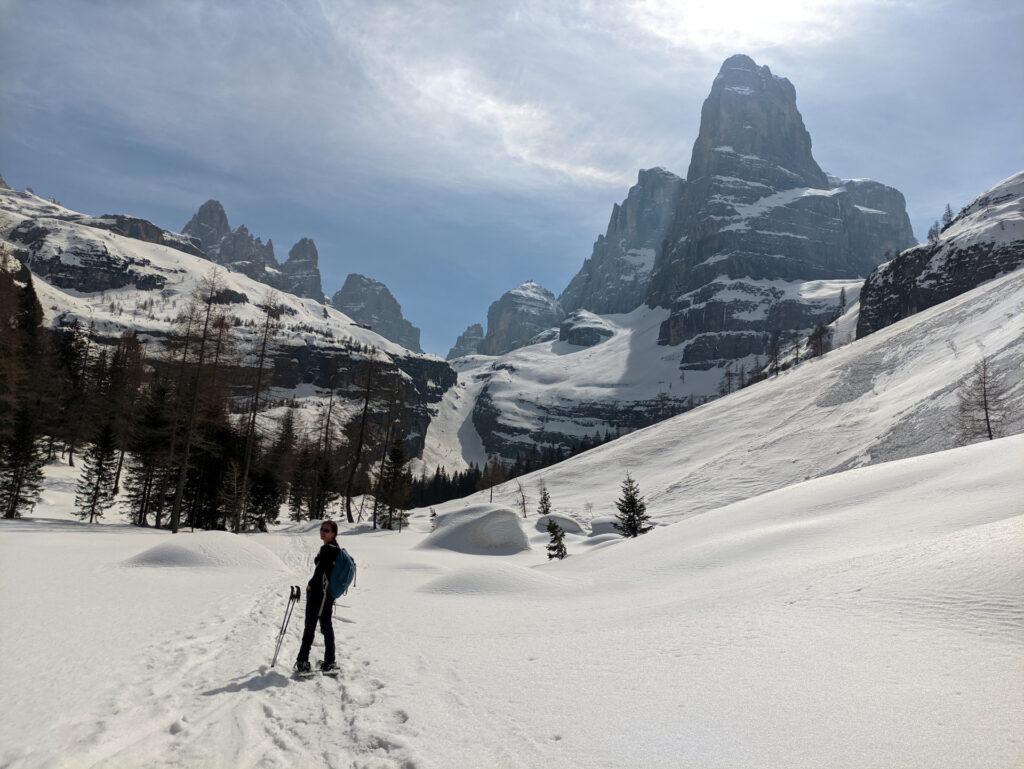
[{"x": 869, "y": 618}]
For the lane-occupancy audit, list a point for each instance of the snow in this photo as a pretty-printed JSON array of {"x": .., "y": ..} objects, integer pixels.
[
  {"x": 482, "y": 529},
  {"x": 870, "y": 618},
  {"x": 452, "y": 440}
]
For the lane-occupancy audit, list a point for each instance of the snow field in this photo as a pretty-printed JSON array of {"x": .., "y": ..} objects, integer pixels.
[{"x": 869, "y": 618}]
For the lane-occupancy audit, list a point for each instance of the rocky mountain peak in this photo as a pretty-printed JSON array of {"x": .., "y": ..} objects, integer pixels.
[
  {"x": 518, "y": 316},
  {"x": 616, "y": 276},
  {"x": 751, "y": 113},
  {"x": 369, "y": 302},
  {"x": 468, "y": 342},
  {"x": 209, "y": 224},
  {"x": 300, "y": 274}
]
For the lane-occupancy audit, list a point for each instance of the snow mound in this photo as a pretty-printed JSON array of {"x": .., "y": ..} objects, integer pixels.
[
  {"x": 493, "y": 578},
  {"x": 567, "y": 524},
  {"x": 480, "y": 530},
  {"x": 208, "y": 549},
  {"x": 603, "y": 525}
]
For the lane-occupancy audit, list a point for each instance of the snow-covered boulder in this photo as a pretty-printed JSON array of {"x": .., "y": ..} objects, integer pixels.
[
  {"x": 604, "y": 524},
  {"x": 479, "y": 529},
  {"x": 584, "y": 329},
  {"x": 567, "y": 524},
  {"x": 207, "y": 549}
]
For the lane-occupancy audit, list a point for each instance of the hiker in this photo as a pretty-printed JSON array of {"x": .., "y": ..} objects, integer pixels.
[{"x": 319, "y": 603}]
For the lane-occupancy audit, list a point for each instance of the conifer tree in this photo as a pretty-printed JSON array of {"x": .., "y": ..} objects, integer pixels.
[
  {"x": 95, "y": 490},
  {"x": 544, "y": 506},
  {"x": 632, "y": 520},
  {"x": 556, "y": 547},
  {"x": 21, "y": 464}
]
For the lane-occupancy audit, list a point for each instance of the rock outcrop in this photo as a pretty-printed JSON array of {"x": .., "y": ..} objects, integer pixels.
[
  {"x": 468, "y": 342},
  {"x": 584, "y": 329},
  {"x": 240, "y": 251},
  {"x": 3, "y": 184},
  {"x": 756, "y": 208},
  {"x": 616, "y": 277},
  {"x": 369, "y": 302},
  {"x": 518, "y": 316},
  {"x": 300, "y": 274},
  {"x": 985, "y": 240}
]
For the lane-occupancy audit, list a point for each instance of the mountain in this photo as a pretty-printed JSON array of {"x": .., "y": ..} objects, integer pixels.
[
  {"x": 518, "y": 316},
  {"x": 616, "y": 277},
  {"x": 985, "y": 240},
  {"x": 468, "y": 342},
  {"x": 89, "y": 269},
  {"x": 369, "y": 302},
  {"x": 240, "y": 251},
  {"x": 693, "y": 279},
  {"x": 757, "y": 208}
]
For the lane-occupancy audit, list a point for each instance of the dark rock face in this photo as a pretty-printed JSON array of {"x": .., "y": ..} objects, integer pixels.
[
  {"x": 239, "y": 251},
  {"x": 468, "y": 342},
  {"x": 3, "y": 184},
  {"x": 518, "y": 316},
  {"x": 141, "y": 229},
  {"x": 93, "y": 267},
  {"x": 368, "y": 301},
  {"x": 584, "y": 329},
  {"x": 984, "y": 241},
  {"x": 209, "y": 225},
  {"x": 616, "y": 277},
  {"x": 300, "y": 274},
  {"x": 756, "y": 207}
]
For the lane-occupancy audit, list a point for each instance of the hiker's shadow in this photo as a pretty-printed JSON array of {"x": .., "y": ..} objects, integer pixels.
[{"x": 263, "y": 679}]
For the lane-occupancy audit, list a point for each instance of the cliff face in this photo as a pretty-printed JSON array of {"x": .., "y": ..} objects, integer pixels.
[
  {"x": 616, "y": 277},
  {"x": 468, "y": 342},
  {"x": 300, "y": 274},
  {"x": 757, "y": 209},
  {"x": 518, "y": 316},
  {"x": 368, "y": 301},
  {"x": 984, "y": 241}
]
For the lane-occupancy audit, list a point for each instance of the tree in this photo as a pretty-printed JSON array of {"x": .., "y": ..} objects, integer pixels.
[
  {"x": 947, "y": 216},
  {"x": 95, "y": 490},
  {"x": 632, "y": 520},
  {"x": 556, "y": 547},
  {"x": 981, "y": 404},
  {"x": 521, "y": 502},
  {"x": 933, "y": 233},
  {"x": 148, "y": 455},
  {"x": 544, "y": 506},
  {"x": 21, "y": 464},
  {"x": 820, "y": 341},
  {"x": 358, "y": 454},
  {"x": 842, "y": 301},
  {"x": 394, "y": 487}
]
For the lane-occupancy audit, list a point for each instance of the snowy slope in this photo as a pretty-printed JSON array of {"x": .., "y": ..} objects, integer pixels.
[
  {"x": 178, "y": 273},
  {"x": 888, "y": 396},
  {"x": 870, "y": 618},
  {"x": 451, "y": 440}
]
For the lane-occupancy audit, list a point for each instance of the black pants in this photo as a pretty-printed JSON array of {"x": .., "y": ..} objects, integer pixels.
[{"x": 319, "y": 606}]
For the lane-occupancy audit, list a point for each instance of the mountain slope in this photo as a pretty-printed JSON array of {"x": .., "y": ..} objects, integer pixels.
[{"x": 887, "y": 396}]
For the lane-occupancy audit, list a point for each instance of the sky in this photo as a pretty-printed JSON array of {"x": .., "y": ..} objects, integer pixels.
[{"x": 454, "y": 150}]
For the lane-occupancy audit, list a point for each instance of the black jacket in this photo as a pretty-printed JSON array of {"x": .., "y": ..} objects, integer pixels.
[{"x": 324, "y": 561}]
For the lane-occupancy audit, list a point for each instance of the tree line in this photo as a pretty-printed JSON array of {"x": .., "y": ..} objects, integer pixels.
[{"x": 181, "y": 436}]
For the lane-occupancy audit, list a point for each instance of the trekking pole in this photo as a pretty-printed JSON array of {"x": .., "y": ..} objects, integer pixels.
[{"x": 293, "y": 598}]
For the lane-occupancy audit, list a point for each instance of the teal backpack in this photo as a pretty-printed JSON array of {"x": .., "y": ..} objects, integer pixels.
[{"x": 343, "y": 574}]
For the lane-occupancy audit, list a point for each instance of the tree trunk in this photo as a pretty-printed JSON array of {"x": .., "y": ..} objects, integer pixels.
[{"x": 359, "y": 446}]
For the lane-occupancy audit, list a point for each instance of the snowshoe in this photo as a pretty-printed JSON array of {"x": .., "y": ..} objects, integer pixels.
[
  {"x": 303, "y": 669},
  {"x": 329, "y": 669}
]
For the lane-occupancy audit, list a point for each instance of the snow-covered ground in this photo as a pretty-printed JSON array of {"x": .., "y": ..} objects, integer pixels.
[
  {"x": 888, "y": 396},
  {"x": 871, "y": 618},
  {"x": 452, "y": 440}
]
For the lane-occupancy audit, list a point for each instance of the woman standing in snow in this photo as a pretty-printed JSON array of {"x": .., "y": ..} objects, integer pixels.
[{"x": 319, "y": 603}]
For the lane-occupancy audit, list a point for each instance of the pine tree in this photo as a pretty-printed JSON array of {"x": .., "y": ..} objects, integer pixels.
[
  {"x": 95, "y": 490},
  {"x": 556, "y": 547},
  {"x": 632, "y": 520},
  {"x": 21, "y": 464},
  {"x": 947, "y": 216},
  {"x": 544, "y": 506},
  {"x": 148, "y": 455}
]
